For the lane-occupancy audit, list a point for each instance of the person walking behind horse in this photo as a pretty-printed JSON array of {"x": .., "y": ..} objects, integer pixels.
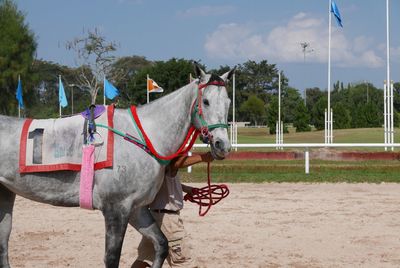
[{"x": 166, "y": 212}]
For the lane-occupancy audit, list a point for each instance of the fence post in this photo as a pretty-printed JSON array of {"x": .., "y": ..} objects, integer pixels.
[
  {"x": 189, "y": 167},
  {"x": 307, "y": 161}
]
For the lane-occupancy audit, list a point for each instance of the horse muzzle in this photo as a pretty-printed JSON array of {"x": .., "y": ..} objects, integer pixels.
[{"x": 220, "y": 148}]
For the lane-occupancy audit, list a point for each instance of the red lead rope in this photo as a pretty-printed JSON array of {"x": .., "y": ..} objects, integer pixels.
[
  {"x": 207, "y": 196},
  {"x": 181, "y": 150}
]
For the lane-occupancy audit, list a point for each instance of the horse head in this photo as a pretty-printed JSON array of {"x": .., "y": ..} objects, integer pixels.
[{"x": 210, "y": 113}]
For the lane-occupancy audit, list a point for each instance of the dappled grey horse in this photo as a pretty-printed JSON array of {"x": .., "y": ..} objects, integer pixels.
[{"x": 123, "y": 192}]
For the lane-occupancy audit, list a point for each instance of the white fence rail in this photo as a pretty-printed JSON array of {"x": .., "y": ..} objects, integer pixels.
[{"x": 308, "y": 146}]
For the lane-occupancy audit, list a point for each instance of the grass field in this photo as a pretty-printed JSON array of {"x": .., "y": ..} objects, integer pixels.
[
  {"x": 293, "y": 170},
  {"x": 359, "y": 135}
]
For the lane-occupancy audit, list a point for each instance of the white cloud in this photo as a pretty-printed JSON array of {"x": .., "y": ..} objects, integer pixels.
[
  {"x": 205, "y": 11},
  {"x": 395, "y": 53},
  {"x": 282, "y": 43}
]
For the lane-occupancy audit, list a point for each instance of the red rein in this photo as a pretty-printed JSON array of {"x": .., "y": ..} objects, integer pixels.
[
  {"x": 180, "y": 151},
  {"x": 207, "y": 196}
]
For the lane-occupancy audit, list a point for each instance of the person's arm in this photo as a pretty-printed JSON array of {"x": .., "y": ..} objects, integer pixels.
[
  {"x": 187, "y": 189},
  {"x": 185, "y": 161}
]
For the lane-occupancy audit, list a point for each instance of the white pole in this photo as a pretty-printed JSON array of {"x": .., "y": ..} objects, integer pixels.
[
  {"x": 326, "y": 127},
  {"x": 388, "y": 81},
  {"x": 391, "y": 115},
  {"x": 385, "y": 112},
  {"x": 236, "y": 137},
  {"x": 231, "y": 133},
  {"x": 147, "y": 86},
  {"x": 307, "y": 161},
  {"x": 104, "y": 91},
  {"x": 19, "y": 106},
  {"x": 331, "y": 130},
  {"x": 72, "y": 100},
  {"x": 279, "y": 109},
  {"x": 281, "y": 136},
  {"x": 59, "y": 103},
  {"x": 277, "y": 134},
  {"x": 189, "y": 169},
  {"x": 279, "y": 97},
  {"x": 234, "y": 109},
  {"x": 329, "y": 69}
]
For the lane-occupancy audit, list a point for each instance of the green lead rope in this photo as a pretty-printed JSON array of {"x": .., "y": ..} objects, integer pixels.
[{"x": 140, "y": 143}]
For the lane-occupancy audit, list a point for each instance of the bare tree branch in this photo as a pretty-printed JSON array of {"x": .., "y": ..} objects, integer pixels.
[{"x": 94, "y": 53}]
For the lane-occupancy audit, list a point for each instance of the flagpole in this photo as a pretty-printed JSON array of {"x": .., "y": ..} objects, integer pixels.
[
  {"x": 388, "y": 82},
  {"x": 329, "y": 74},
  {"x": 234, "y": 107},
  {"x": 279, "y": 108},
  {"x": 104, "y": 90},
  {"x": 147, "y": 88},
  {"x": 19, "y": 106},
  {"x": 59, "y": 103}
]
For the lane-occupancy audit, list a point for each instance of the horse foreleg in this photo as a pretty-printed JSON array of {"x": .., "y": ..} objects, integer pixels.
[
  {"x": 144, "y": 223},
  {"x": 116, "y": 220},
  {"x": 7, "y": 199}
]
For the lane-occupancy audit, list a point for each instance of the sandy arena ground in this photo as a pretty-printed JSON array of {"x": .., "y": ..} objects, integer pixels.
[{"x": 258, "y": 225}]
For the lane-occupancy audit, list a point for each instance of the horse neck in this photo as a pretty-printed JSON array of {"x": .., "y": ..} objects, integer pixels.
[{"x": 166, "y": 121}]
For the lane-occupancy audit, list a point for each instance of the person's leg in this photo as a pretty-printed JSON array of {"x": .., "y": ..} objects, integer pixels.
[
  {"x": 146, "y": 249},
  {"x": 179, "y": 252}
]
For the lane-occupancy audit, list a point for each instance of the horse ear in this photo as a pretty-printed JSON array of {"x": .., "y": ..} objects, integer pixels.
[
  {"x": 198, "y": 71},
  {"x": 228, "y": 75}
]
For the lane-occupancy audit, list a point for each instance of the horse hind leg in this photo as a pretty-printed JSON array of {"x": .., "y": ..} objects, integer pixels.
[
  {"x": 144, "y": 223},
  {"x": 116, "y": 220},
  {"x": 7, "y": 199}
]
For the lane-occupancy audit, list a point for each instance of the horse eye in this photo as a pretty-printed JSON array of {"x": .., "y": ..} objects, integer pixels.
[{"x": 205, "y": 102}]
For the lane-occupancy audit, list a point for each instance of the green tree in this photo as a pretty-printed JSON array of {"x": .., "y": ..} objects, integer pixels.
[
  {"x": 301, "y": 118},
  {"x": 126, "y": 68},
  {"x": 366, "y": 115},
  {"x": 272, "y": 114},
  {"x": 17, "y": 50},
  {"x": 257, "y": 78},
  {"x": 170, "y": 75},
  {"x": 318, "y": 113},
  {"x": 341, "y": 116},
  {"x": 290, "y": 102},
  {"x": 313, "y": 96},
  {"x": 254, "y": 109},
  {"x": 45, "y": 103}
]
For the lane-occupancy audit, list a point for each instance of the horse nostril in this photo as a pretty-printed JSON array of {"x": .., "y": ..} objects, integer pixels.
[{"x": 219, "y": 144}]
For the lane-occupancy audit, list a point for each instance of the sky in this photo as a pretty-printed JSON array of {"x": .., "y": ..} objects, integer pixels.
[{"x": 219, "y": 33}]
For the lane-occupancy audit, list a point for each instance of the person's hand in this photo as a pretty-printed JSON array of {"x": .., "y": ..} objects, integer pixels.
[
  {"x": 189, "y": 189},
  {"x": 194, "y": 191},
  {"x": 207, "y": 157},
  {"x": 190, "y": 194}
]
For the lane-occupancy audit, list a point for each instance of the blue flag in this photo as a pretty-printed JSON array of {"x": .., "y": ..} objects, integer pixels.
[
  {"x": 109, "y": 90},
  {"x": 18, "y": 95},
  {"x": 61, "y": 95},
  {"x": 336, "y": 13}
]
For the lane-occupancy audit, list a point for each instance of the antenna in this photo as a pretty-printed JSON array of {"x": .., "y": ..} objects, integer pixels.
[{"x": 305, "y": 47}]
